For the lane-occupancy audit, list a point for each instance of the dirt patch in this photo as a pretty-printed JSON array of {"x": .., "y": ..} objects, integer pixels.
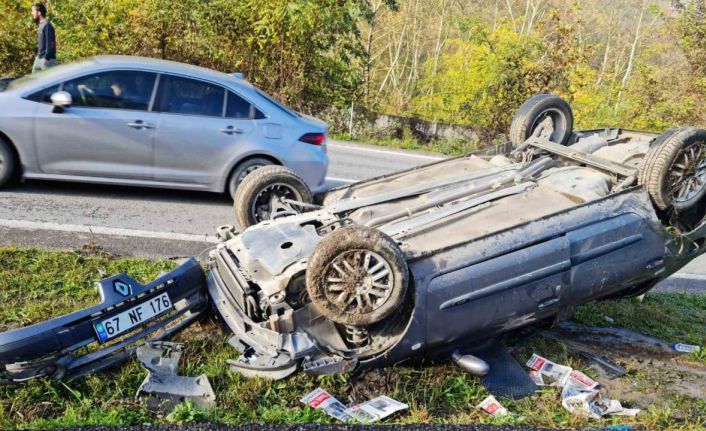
[
  {"x": 655, "y": 370},
  {"x": 373, "y": 383}
]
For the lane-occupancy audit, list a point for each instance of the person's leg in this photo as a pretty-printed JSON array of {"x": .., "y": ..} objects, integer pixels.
[
  {"x": 38, "y": 65},
  {"x": 51, "y": 63}
]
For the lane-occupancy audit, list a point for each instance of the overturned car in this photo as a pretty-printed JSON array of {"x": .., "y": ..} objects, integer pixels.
[
  {"x": 435, "y": 260},
  {"x": 429, "y": 262}
]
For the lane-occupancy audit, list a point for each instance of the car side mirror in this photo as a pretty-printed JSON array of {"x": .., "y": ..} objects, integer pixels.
[{"x": 61, "y": 100}]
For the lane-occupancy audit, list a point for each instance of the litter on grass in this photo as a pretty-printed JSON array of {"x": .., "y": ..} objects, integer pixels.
[
  {"x": 589, "y": 402},
  {"x": 376, "y": 409},
  {"x": 370, "y": 411},
  {"x": 580, "y": 394},
  {"x": 492, "y": 406},
  {"x": 686, "y": 348}
]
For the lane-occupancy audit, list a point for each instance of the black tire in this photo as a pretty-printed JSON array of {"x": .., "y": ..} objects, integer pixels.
[
  {"x": 674, "y": 172},
  {"x": 9, "y": 164},
  {"x": 651, "y": 155},
  {"x": 536, "y": 109},
  {"x": 243, "y": 169},
  {"x": 255, "y": 191},
  {"x": 365, "y": 253}
]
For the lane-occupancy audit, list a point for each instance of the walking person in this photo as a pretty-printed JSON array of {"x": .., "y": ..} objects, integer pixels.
[{"x": 46, "y": 46}]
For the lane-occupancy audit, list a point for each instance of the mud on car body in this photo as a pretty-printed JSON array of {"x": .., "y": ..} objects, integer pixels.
[
  {"x": 105, "y": 334},
  {"x": 434, "y": 261},
  {"x": 429, "y": 262}
]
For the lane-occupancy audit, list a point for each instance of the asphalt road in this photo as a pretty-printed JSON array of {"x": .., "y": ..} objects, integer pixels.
[
  {"x": 152, "y": 222},
  {"x": 169, "y": 223}
]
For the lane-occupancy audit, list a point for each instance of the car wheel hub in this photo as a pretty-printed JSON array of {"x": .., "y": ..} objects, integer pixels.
[
  {"x": 688, "y": 173},
  {"x": 358, "y": 281},
  {"x": 247, "y": 171},
  {"x": 550, "y": 125},
  {"x": 269, "y": 202}
]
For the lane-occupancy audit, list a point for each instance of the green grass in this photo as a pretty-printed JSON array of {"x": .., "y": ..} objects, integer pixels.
[
  {"x": 37, "y": 284},
  {"x": 455, "y": 147}
]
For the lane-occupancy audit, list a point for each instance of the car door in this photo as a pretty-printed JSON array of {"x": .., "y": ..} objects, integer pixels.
[
  {"x": 200, "y": 128},
  {"x": 107, "y": 132}
]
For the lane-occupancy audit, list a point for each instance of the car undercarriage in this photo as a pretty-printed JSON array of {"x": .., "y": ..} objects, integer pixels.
[{"x": 430, "y": 262}]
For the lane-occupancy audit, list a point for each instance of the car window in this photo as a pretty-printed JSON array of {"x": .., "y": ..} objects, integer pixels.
[
  {"x": 179, "y": 95},
  {"x": 237, "y": 107},
  {"x": 44, "y": 96},
  {"x": 117, "y": 89},
  {"x": 277, "y": 104}
]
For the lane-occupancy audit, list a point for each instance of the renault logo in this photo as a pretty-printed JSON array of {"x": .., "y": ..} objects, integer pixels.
[{"x": 122, "y": 288}]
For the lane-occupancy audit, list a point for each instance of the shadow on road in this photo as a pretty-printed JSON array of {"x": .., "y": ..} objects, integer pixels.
[{"x": 60, "y": 188}]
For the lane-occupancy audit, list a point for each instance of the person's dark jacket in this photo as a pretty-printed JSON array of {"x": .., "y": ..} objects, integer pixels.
[{"x": 46, "y": 47}]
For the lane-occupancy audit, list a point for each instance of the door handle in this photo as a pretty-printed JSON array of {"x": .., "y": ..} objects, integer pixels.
[
  {"x": 230, "y": 130},
  {"x": 139, "y": 124}
]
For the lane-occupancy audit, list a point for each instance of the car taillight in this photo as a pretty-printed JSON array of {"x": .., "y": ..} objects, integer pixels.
[{"x": 313, "y": 138}]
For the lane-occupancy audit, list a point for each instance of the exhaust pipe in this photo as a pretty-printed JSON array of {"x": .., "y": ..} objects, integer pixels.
[{"x": 471, "y": 364}]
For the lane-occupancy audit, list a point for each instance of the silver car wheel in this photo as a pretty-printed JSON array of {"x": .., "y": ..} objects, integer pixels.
[
  {"x": 246, "y": 172},
  {"x": 688, "y": 173},
  {"x": 267, "y": 204},
  {"x": 550, "y": 124},
  {"x": 359, "y": 281}
]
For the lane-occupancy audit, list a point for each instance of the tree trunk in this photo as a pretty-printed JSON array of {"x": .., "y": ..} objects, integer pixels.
[{"x": 635, "y": 42}]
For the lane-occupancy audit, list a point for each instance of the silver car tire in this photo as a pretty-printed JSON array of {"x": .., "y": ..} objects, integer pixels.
[
  {"x": 258, "y": 196},
  {"x": 8, "y": 163},
  {"x": 244, "y": 169},
  {"x": 551, "y": 113}
]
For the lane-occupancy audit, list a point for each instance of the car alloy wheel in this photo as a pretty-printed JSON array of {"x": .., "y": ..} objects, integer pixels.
[{"x": 359, "y": 281}]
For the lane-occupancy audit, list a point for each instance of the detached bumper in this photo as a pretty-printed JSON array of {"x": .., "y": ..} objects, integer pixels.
[{"x": 68, "y": 346}]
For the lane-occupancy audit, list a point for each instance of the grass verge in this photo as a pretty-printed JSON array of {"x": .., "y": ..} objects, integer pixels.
[
  {"x": 446, "y": 147},
  {"x": 35, "y": 285}
]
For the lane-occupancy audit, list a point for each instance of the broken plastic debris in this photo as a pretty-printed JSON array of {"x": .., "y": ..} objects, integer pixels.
[
  {"x": 163, "y": 389},
  {"x": 581, "y": 401},
  {"x": 491, "y": 406},
  {"x": 580, "y": 394},
  {"x": 686, "y": 348},
  {"x": 603, "y": 364},
  {"x": 369, "y": 411}
]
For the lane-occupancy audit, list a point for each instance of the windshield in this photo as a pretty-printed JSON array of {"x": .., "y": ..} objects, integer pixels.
[
  {"x": 4, "y": 82},
  {"x": 28, "y": 79}
]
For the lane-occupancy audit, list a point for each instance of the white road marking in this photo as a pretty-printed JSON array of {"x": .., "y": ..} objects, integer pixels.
[
  {"x": 688, "y": 275},
  {"x": 343, "y": 180},
  {"x": 100, "y": 230},
  {"x": 396, "y": 153}
]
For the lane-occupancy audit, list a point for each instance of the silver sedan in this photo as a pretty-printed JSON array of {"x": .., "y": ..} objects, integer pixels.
[{"x": 145, "y": 122}]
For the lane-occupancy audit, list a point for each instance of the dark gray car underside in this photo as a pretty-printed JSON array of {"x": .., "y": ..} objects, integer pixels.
[{"x": 489, "y": 244}]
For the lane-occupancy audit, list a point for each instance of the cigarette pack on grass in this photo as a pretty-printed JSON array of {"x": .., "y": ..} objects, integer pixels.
[{"x": 491, "y": 406}]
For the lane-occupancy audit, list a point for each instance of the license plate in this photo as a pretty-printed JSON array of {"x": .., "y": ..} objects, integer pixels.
[{"x": 135, "y": 316}]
